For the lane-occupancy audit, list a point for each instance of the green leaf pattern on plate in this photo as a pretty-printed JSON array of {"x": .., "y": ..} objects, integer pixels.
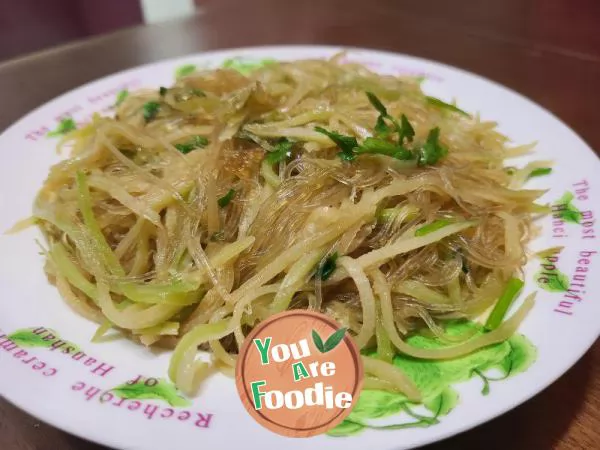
[
  {"x": 565, "y": 209},
  {"x": 160, "y": 390},
  {"x": 28, "y": 338},
  {"x": 64, "y": 126},
  {"x": 556, "y": 281},
  {"x": 435, "y": 379}
]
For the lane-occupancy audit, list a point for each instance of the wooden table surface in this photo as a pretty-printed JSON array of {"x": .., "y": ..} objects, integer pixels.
[{"x": 547, "y": 50}]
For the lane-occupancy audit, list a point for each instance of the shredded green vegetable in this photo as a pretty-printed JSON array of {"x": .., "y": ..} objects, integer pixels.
[
  {"x": 94, "y": 232},
  {"x": 431, "y": 227},
  {"x": 443, "y": 105},
  {"x": 512, "y": 289}
]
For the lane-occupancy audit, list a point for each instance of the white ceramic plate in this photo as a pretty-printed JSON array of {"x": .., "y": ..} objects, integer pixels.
[{"x": 68, "y": 390}]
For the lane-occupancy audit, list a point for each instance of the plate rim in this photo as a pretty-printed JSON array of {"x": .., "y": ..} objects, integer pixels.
[{"x": 112, "y": 440}]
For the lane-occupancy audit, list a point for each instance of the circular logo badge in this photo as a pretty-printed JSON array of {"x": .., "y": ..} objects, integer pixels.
[{"x": 299, "y": 374}]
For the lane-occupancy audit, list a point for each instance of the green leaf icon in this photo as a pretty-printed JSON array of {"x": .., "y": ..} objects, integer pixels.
[
  {"x": 27, "y": 338},
  {"x": 556, "y": 281},
  {"x": 318, "y": 341},
  {"x": 331, "y": 342},
  {"x": 565, "y": 209},
  {"x": 162, "y": 390}
]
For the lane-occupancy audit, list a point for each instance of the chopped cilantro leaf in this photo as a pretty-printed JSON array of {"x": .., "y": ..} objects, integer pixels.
[
  {"x": 194, "y": 143},
  {"x": 121, "y": 96},
  {"x": 218, "y": 236},
  {"x": 65, "y": 125},
  {"x": 198, "y": 92},
  {"x": 381, "y": 128},
  {"x": 150, "y": 110},
  {"x": 281, "y": 151},
  {"x": 346, "y": 143},
  {"x": 383, "y": 147},
  {"x": 377, "y": 104},
  {"x": 408, "y": 131},
  {"x": 325, "y": 270},
  {"x": 224, "y": 201},
  {"x": 162, "y": 91},
  {"x": 443, "y": 105},
  {"x": 432, "y": 151}
]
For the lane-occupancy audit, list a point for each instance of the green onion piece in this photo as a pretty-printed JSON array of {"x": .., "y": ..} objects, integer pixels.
[
  {"x": 540, "y": 172},
  {"x": 443, "y": 105},
  {"x": 281, "y": 151},
  {"x": 224, "y": 201},
  {"x": 121, "y": 96},
  {"x": 346, "y": 143},
  {"x": 194, "y": 143},
  {"x": 325, "y": 271},
  {"x": 162, "y": 91},
  {"x": 150, "y": 110},
  {"x": 63, "y": 127},
  {"x": 383, "y": 147},
  {"x": 512, "y": 289},
  {"x": 431, "y": 227}
]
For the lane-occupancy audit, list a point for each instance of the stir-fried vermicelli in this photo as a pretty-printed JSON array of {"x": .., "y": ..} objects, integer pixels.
[{"x": 203, "y": 208}]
